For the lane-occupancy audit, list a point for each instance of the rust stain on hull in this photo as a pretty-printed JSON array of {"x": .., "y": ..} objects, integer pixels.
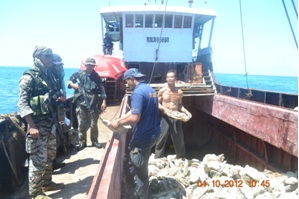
[{"x": 277, "y": 126}]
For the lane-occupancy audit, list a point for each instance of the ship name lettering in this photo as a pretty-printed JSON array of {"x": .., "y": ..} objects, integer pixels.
[{"x": 157, "y": 39}]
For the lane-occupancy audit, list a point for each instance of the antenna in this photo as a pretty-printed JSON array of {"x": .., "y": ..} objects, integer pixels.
[{"x": 190, "y": 3}]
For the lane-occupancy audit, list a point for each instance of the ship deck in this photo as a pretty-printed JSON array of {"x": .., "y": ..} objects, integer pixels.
[
  {"x": 96, "y": 172},
  {"x": 80, "y": 168}
]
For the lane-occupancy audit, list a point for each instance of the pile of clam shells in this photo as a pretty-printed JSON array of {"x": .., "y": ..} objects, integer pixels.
[{"x": 214, "y": 178}]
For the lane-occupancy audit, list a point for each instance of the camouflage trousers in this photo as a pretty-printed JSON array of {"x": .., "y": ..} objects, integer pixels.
[
  {"x": 42, "y": 152},
  {"x": 86, "y": 121}
]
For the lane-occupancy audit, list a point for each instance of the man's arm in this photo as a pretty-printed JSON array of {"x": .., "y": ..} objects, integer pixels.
[
  {"x": 23, "y": 104},
  {"x": 71, "y": 83},
  {"x": 103, "y": 94},
  {"x": 180, "y": 100},
  {"x": 133, "y": 116},
  {"x": 24, "y": 95},
  {"x": 127, "y": 119},
  {"x": 162, "y": 108},
  {"x": 160, "y": 98},
  {"x": 33, "y": 130},
  {"x": 181, "y": 108},
  {"x": 104, "y": 104}
]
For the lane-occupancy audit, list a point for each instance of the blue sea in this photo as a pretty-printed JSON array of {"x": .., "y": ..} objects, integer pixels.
[
  {"x": 10, "y": 76},
  {"x": 9, "y": 83}
]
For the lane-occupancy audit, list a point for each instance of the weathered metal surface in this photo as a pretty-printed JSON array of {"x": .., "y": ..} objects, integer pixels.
[
  {"x": 275, "y": 125},
  {"x": 204, "y": 127},
  {"x": 107, "y": 182},
  {"x": 267, "y": 97},
  {"x": 242, "y": 126}
]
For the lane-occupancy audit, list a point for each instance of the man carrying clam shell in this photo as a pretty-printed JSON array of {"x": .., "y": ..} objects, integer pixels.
[{"x": 170, "y": 104}]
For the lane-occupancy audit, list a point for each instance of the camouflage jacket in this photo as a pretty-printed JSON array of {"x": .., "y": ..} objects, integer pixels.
[
  {"x": 34, "y": 84},
  {"x": 93, "y": 85}
]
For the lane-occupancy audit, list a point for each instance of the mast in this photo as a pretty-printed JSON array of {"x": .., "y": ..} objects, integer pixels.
[{"x": 190, "y": 3}]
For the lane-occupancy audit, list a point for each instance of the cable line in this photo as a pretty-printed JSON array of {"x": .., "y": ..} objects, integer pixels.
[
  {"x": 244, "y": 54},
  {"x": 157, "y": 50},
  {"x": 286, "y": 11}
]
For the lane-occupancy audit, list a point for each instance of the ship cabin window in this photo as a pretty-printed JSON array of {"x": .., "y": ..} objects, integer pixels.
[
  {"x": 149, "y": 20},
  {"x": 133, "y": 65},
  {"x": 178, "y": 21},
  {"x": 129, "y": 20},
  {"x": 158, "y": 20},
  {"x": 110, "y": 27},
  {"x": 113, "y": 27},
  {"x": 168, "y": 21},
  {"x": 116, "y": 27},
  {"x": 187, "y": 22},
  {"x": 139, "y": 21}
]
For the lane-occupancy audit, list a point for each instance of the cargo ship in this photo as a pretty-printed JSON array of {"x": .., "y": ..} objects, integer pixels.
[{"x": 250, "y": 127}]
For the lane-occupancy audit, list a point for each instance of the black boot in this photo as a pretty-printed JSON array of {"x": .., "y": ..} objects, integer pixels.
[
  {"x": 57, "y": 165},
  {"x": 98, "y": 145},
  {"x": 81, "y": 146}
]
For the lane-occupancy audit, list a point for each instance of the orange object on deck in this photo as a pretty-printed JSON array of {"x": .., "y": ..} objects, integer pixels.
[{"x": 197, "y": 75}]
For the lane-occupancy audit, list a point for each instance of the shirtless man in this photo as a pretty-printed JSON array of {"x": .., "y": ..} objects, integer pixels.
[{"x": 170, "y": 99}]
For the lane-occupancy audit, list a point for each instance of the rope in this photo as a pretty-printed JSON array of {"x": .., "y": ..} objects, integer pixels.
[
  {"x": 157, "y": 50},
  {"x": 285, "y": 9},
  {"x": 244, "y": 54},
  {"x": 16, "y": 125},
  {"x": 120, "y": 107},
  {"x": 294, "y": 6},
  {"x": 13, "y": 120},
  {"x": 10, "y": 164}
]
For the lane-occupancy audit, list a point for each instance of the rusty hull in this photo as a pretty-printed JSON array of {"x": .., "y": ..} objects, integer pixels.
[
  {"x": 253, "y": 133},
  {"x": 275, "y": 125}
]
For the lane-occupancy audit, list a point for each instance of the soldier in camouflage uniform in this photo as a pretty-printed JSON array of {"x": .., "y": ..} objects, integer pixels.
[
  {"x": 89, "y": 92},
  {"x": 35, "y": 86},
  {"x": 61, "y": 138},
  {"x": 58, "y": 71}
]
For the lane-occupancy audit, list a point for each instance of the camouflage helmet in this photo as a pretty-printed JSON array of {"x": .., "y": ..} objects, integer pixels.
[
  {"x": 41, "y": 49},
  {"x": 90, "y": 61}
]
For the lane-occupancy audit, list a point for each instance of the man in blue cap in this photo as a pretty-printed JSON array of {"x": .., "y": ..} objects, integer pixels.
[
  {"x": 57, "y": 69},
  {"x": 144, "y": 114}
]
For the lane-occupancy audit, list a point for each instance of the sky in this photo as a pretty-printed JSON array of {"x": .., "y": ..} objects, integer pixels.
[{"x": 72, "y": 28}]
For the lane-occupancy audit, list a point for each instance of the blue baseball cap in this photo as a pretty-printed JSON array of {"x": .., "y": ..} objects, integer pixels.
[
  {"x": 133, "y": 72},
  {"x": 56, "y": 59}
]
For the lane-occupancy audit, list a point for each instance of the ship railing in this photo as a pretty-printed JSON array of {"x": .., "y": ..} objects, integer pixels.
[
  {"x": 189, "y": 89},
  {"x": 107, "y": 182},
  {"x": 286, "y": 100}
]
